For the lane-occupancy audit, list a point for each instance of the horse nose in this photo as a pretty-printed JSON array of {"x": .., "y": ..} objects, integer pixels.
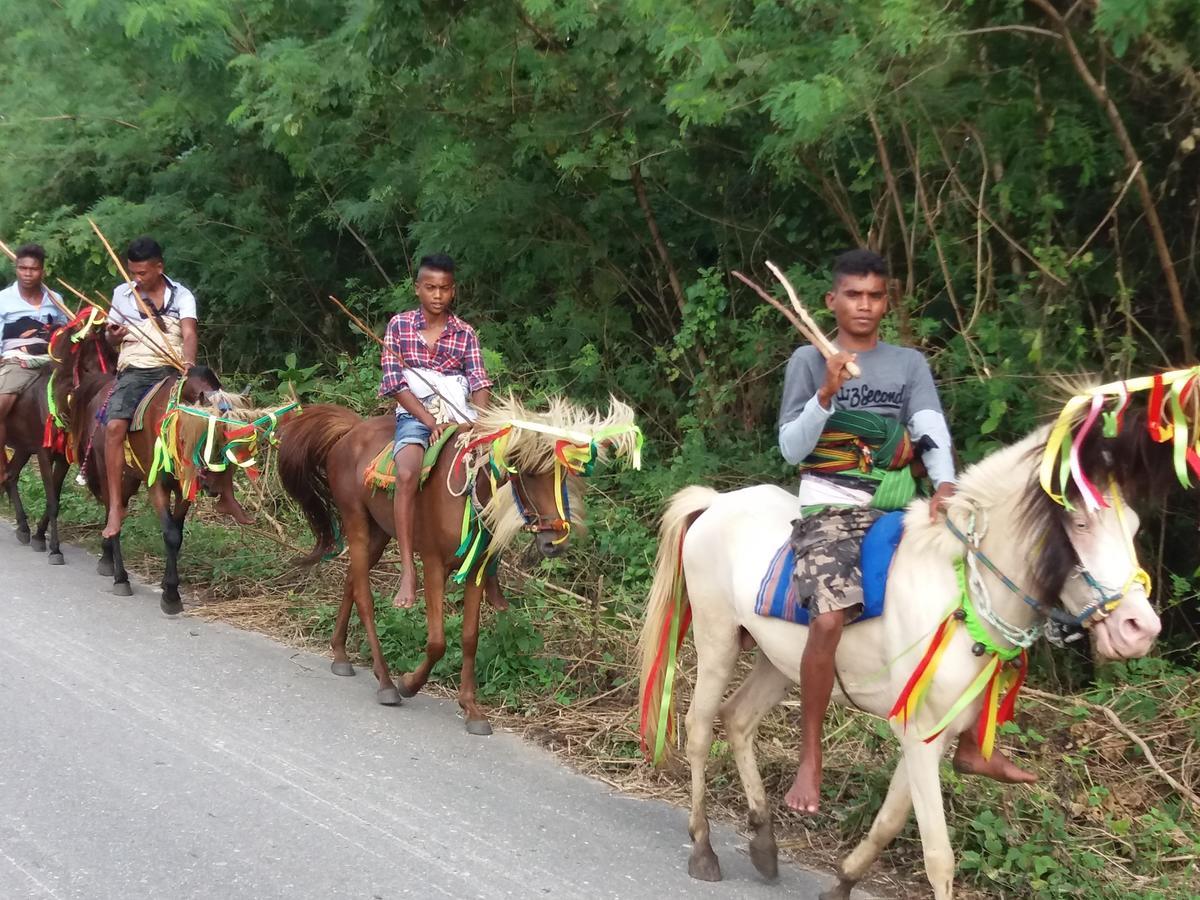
[
  {"x": 546, "y": 545},
  {"x": 1138, "y": 630}
]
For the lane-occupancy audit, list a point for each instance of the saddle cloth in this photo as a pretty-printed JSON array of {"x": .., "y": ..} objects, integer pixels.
[
  {"x": 380, "y": 475},
  {"x": 777, "y": 595}
]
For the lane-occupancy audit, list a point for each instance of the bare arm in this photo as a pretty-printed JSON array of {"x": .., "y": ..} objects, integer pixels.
[{"x": 191, "y": 340}]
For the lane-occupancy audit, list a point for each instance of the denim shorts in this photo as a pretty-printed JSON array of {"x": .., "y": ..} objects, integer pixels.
[{"x": 409, "y": 431}]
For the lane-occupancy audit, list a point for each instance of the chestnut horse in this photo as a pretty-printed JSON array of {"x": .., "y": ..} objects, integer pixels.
[
  {"x": 84, "y": 397},
  {"x": 528, "y": 466}
]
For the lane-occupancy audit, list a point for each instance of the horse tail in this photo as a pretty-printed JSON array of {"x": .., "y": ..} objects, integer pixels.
[
  {"x": 668, "y": 614},
  {"x": 304, "y": 446}
]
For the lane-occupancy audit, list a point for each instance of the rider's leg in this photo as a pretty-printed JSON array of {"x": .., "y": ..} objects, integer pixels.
[
  {"x": 7, "y": 402},
  {"x": 114, "y": 459},
  {"x": 816, "y": 685},
  {"x": 968, "y": 760},
  {"x": 408, "y": 474}
]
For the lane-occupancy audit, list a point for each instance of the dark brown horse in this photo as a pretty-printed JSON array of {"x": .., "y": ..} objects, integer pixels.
[
  {"x": 527, "y": 468},
  {"x": 171, "y": 495},
  {"x": 25, "y": 426},
  {"x": 27, "y": 430}
]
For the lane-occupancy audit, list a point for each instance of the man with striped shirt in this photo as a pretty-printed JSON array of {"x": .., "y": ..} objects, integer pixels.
[{"x": 433, "y": 368}]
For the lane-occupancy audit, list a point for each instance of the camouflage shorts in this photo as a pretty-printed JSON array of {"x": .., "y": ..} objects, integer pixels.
[{"x": 828, "y": 547}]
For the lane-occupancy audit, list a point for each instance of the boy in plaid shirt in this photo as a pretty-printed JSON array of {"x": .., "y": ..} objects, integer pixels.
[{"x": 433, "y": 368}]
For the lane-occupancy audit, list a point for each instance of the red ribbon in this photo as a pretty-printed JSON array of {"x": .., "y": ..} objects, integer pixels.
[{"x": 1154, "y": 425}]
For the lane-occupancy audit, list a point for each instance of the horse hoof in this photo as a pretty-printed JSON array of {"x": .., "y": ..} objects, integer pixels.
[
  {"x": 406, "y": 690},
  {"x": 105, "y": 567},
  {"x": 388, "y": 696},
  {"x": 37, "y": 545},
  {"x": 171, "y": 606},
  {"x": 23, "y": 537},
  {"x": 764, "y": 853},
  {"x": 123, "y": 589},
  {"x": 341, "y": 668},
  {"x": 840, "y": 891},
  {"x": 56, "y": 559},
  {"x": 479, "y": 727},
  {"x": 704, "y": 868}
]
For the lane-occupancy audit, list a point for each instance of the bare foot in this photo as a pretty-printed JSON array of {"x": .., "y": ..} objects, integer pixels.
[
  {"x": 116, "y": 515},
  {"x": 495, "y": 596},
  {"x": 227, "y": 504},
  {"x": 805, "y": 795},
  {"x": 968, "y": 760},
  {"x": 406, "y": 597}
]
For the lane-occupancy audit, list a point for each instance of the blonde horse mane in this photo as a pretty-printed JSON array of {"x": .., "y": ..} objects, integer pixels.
[{"x": 531, "y": 448}]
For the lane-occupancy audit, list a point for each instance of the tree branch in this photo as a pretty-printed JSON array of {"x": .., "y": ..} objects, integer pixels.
[{"x": 1132, "y": 160}]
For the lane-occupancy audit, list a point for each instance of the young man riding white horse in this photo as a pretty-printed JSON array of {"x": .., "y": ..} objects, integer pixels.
[{"x": 895, "y": 383}]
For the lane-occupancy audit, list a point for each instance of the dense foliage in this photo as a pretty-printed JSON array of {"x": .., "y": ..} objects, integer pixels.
[{"x": 599, "y": 167}]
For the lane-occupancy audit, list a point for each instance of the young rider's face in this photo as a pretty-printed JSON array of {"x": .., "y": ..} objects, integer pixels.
[
  {"x": 29, "y": 273},
  {"x": 146, "y": 274},
  {"x": 858, "y": 302},
  {"x": 435, "y": 290}
]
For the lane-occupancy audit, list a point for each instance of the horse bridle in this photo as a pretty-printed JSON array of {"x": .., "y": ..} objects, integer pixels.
[
  {"x": 537, "y": 522},
  {"x": 1105, "y": 601}
]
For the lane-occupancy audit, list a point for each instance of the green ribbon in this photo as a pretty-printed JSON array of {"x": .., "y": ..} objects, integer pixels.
[{"x": 979, "y": 634}]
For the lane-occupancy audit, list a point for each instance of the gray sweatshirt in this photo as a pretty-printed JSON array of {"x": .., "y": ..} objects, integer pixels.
[{"x": 896, "y": 382}]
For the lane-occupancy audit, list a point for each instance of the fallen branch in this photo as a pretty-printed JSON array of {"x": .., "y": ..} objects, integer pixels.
[{"x": 1183, "y": 790}]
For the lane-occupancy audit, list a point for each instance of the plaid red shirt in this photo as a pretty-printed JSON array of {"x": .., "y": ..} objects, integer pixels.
[{"x": 455, "y": 353}]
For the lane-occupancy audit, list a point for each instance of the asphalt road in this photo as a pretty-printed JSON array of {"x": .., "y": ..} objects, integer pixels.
[{"x": 147, "y": 757}]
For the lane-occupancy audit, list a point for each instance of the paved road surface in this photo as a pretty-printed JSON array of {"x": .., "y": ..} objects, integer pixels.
[{"x": 143, "y": 757}]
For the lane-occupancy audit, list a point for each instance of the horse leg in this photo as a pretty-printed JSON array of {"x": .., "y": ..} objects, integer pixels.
[
  {"x": 58, "y": 475},
  {"x": 20, "y": 457},
  {"x": 356, "y": 529},
  {"x": 46, "y": 469},
  {"x": 105, "y": 564},
  {"x": 121, "y": 586},
  {"x": 742, "y": 713},
  {"x": 172, "y": 530},
  {"x": 888, "y": 822},
  {"x": 341, "y": 661},
  {"x": 434, "y": 577},
  {"x": 922, "y": 760},
  {"x": 715, "y": 658},
  {"x": 477, "y": 722}
]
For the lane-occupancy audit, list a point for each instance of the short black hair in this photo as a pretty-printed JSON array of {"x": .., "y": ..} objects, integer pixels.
[
  {"x": 144, "y": 249},
  {"x": 32, "y": 251},
  {"x": 439, "y": 262},
  {"x": 859, "y": 262}
]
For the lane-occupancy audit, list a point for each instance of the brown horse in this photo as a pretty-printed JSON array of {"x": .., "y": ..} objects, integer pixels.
[
  {"x": 24, "y": 436},
  {"x": 171, "y": 494},
  {"x": 27, "y": 432},
  {"x": 528, "y": 466}
]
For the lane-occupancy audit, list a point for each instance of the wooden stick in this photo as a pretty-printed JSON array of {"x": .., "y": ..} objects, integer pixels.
[
  {"x": 66, "y": 310},
  {"x": 362, "y": 326},
  {"x": 463, "y": 417},
  {"x": 164, "y": 351},
  {"x": 823, "y": 343},
  {"x": 788, "y": 314}
]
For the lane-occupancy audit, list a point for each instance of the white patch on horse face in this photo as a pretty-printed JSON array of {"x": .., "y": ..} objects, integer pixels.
[{"x": 1103, "y": 540}]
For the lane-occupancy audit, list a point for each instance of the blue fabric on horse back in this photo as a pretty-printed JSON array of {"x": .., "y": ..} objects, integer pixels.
[
  {"x": 777, "y": 591},
  {"x": 878, "y": 548}
]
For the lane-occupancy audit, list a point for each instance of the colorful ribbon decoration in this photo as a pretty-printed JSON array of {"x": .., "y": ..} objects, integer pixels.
[
  {"x": 994, "y": 680},
  {"x": 1171, "y": 396},
  {"x": 675, "y": 628}
]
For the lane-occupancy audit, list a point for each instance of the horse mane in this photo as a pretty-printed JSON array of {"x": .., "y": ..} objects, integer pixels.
[
  {"x": 1007, "y": 477},
  {"x": 531, "y": 450}
]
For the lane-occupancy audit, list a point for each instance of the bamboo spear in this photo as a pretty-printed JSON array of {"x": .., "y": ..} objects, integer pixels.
[
  {"x": 365, "y": 329},
  {"x": 164, "y": 351},
  {"x": 66, "y": 310}
]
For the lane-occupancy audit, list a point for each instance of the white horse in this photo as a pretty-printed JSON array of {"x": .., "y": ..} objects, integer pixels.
[{"x": 727, "y": 542}]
